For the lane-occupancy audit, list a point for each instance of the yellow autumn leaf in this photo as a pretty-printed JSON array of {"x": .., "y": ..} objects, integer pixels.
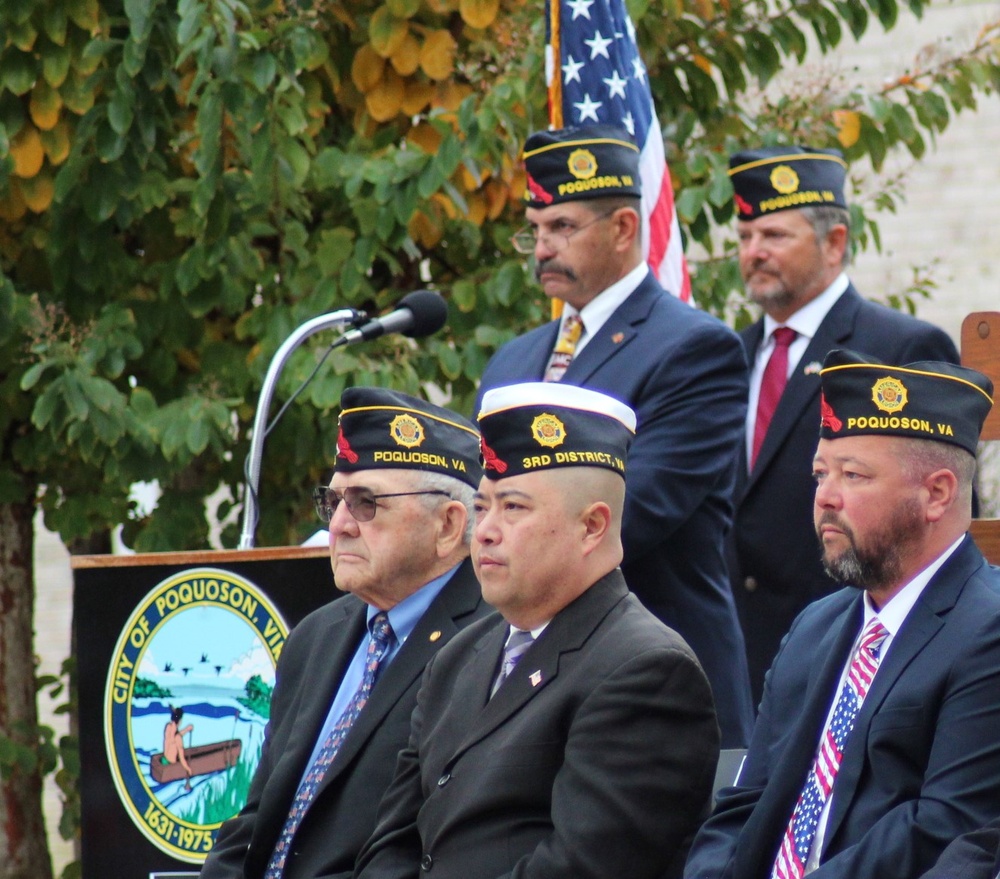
[
  {"x": 45, "y": 105},
  {"x": 469, "y": 181},
  {"x": 406, "y": 59},
  {"x": 12, "y": 204},
  {"x": 26, "y": 150},
  {"x": 703, "y": 63},
  {"x": 418, "y": 95},
  {"x": 479, "y": 13},
  {"x": 425, "y": 136},
  {"x": 477, "y": 208},
  {"x": 386, "y": 32},
  {"x": 366, "y": 68},
  {"x": 38, "y": 192},
  {"x": 496, "y": 198},
  {"x": 437, "y": 55},
  {"x": 84, "y": 13},
  {"x": 848, "y": 124},
  {"x": 451, "y": 212},
  {"x": 56, "y": 142},
  {"x": 704, "y": 9},
  {"x": 451, "y": 94},
  {"x": 385, "y": 100},
  {"x": 423, "y": 230}
]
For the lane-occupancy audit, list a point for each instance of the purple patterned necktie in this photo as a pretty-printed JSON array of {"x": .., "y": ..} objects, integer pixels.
[
  {"x": 516, "y": 645},
  {"x": 801, "y": 831},
  {"x": 381, "y": 637}
]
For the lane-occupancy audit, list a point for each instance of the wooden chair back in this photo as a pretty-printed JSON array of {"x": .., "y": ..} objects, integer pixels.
[{"x": 981, "y": 350}]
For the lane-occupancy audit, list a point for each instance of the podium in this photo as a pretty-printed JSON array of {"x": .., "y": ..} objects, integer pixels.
[{"x": 175, "y": 661}]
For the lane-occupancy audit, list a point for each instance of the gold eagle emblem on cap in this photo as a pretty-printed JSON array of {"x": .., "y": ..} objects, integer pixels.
[
  {"x": 889, "y": 394},
  {"x": 582, "y": 164},
  {"x": 406, "y": 431},
  {"x": 784, "y": 179},
  {"x": 548, "y": 430}
]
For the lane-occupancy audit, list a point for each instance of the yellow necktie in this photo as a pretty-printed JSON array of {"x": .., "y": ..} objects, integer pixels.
[{"x": 562, "y": 354}]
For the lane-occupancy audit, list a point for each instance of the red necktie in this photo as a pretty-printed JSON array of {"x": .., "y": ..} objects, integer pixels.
[{"x": 772, "y": 385}]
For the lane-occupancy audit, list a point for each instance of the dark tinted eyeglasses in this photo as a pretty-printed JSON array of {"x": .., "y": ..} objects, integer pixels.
[{"x": 360, "y": 501}]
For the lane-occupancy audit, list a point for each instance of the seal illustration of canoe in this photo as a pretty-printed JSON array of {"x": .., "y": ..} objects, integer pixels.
[{"x": 202, "y": 759}]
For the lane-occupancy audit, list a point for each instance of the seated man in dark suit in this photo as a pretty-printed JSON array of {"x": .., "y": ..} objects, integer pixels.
[
  {"x": 399, "y": 512},
  {"x": 573, "y": 737},
  {"x": 877, "y": 740}
]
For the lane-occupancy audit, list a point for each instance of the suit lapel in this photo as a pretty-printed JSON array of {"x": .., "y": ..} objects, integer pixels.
[
  {"x": 802, "y": 390},
  {"x": 618, "y": 332},
  {"x": 539, "y": 666},
  {"x": 922, "y": 623},
  {"x": 325, "y": 676},
  {"x": 436, "y": 627},
  {"x": 769, "y": 819}
]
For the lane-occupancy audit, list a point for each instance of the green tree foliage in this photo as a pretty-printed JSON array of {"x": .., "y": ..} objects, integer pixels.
[{"x": 183, "y": 183}]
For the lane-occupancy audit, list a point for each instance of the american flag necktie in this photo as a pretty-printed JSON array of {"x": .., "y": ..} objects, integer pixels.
[
  {"x": 382, "y": 637},
  {"x": 801, "y": 831},
  {"x": 562, "y": 354}
]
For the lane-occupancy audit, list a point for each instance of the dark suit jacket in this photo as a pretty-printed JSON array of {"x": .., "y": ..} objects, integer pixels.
[
  {"x": 974, "y": 855},
  {"x": 343, "y": 814},
  {"x": 684, "y": 374},
  {"x": 773, "y": 553},
  {"x": 594, "y": 759},
  {"x": 921, "y": 765}
]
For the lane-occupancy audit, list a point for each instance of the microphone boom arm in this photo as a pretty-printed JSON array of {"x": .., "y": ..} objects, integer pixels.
[{"x": 251, "y": 510}]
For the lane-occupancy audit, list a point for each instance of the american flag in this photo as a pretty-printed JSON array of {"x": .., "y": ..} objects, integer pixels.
[{"x": 595, "y": 75}]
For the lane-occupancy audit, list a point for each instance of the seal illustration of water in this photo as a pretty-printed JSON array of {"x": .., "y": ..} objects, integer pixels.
[{"x": 187, "y": 698}]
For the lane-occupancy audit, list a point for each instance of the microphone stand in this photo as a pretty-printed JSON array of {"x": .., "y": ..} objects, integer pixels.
[{"x": 251, "y": 509}]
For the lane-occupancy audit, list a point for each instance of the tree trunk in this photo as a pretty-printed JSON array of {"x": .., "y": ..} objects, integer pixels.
[{"x": 24, "y": 852}]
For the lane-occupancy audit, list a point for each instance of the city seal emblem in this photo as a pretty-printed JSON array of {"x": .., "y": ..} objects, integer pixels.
[
  {"x": 889, "y": 394},
  {"x": 548, "y": 430},
  {"x": 187, "y": 698}
]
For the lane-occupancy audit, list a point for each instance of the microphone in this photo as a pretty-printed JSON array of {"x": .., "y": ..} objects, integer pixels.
[{"x": 418, "y": 314}]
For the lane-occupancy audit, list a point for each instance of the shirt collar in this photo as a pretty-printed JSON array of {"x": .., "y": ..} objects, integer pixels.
[
  {"x": 893, "y": 614},
  {"x": 596, "y": 312},
  {"x": 404, "y": 616},
  {"x": 806, "y": 320}
]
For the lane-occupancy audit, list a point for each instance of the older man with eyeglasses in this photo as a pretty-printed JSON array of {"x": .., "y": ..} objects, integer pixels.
[
  {"x": 681, "y": 370},
  {"x": 399, "y": 512}
]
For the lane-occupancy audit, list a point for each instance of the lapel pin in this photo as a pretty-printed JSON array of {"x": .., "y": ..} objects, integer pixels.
[
  {"x": 435, "y": 634},
  {"x": 617, "y": 338},
  {"x": 812, "y": 368},
  {"x": 535, "y": 677}
]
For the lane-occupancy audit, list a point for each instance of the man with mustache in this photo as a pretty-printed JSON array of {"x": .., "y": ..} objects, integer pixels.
[
  {"x": 681, "y": 370},
  {"x": 876, "y": 741},
  {"x": 794, "y": 248}
]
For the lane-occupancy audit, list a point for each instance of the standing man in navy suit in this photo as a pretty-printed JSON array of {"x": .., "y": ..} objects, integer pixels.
[
  {"x": 681, "y": 370},
  {"x": 399, "y": 513},
  {"x": 794, "y": 248},
  {"x": 876, "y": 742}
]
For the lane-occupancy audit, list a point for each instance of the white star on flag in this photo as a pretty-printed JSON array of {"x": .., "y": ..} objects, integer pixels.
[{"x": 612, "y": 67}]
